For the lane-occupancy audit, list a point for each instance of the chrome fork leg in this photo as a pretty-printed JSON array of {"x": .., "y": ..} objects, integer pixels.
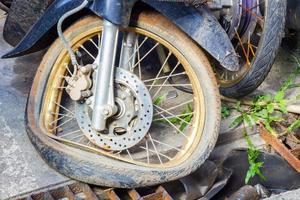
[
  {"x": 104, "y": 105},
  {"x": 127, "y": 57}
]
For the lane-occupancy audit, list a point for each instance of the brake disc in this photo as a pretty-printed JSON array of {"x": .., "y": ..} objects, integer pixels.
[{"x": 132, "y": 121}]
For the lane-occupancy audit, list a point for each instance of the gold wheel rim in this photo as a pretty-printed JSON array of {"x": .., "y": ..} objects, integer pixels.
[{"x": 53, "y": 94}]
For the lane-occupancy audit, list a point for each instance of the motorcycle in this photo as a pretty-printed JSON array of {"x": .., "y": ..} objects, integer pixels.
[{"x": 125, "y": 95}]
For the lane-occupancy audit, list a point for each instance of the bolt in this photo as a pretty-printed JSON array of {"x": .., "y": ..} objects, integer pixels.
[
  {"x": 88, "y": 101},
  {"x": 95, "y": 66},
  {"x": 83, "y": 70},
  {"x": 105, "y": 112},
  {"x": 123, "y": 96}
]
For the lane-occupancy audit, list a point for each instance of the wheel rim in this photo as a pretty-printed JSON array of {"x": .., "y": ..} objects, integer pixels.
[
  {"x": 246, "y": 38},
  {"x": 184, "y": 120}
]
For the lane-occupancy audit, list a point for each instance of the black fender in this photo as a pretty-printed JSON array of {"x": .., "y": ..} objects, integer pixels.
[{"x": 198, "y": 23}]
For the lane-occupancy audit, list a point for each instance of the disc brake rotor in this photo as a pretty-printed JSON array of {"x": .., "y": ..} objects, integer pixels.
[{"x": 131, "y": 123}]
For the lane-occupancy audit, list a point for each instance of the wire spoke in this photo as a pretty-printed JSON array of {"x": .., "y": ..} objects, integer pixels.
[
  {"x": 135, "y": 51},
  {"x": 175, "y": 127},
  {"x": 242, "y": 45},
  {"x": 70, "y": 133},
  {"x": 172, "y": 115},
  {"x": 54, "y": 121},
  {"x": 174, "y": 107},
  {"x": 65, "y": 122},
  {"x": 68, "y": 69},
  {"x": 159, "y": 89},
  {"x": 129, "y": 154},
  {"x": 81, "y": 140},
  {"x": 252, "y": 13},
  {"x": 160, "y": 70},
  {"x": 60, "y": 114},
  {"x": 95, "y": 45},
  {"x": 169, "y": 85},
  {"x": 66, "y": 109},
  {"x": 158, "y": 156},
  {"x": 145, "y": 55},
  {"x": 76, "y": 137},
  {"x": 163, "y": 77},
  {"x": 139, "y": 58},
  {"x": 147, "y": 152},
  {"x": 162, "y": 143},
  {"x": 91, "y": 55}
]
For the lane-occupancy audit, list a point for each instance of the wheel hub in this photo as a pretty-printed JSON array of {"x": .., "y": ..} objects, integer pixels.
[{"x": 132, "y": 121}]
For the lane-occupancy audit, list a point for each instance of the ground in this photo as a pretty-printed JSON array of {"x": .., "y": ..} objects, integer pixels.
[{"x": 21, "y": 168}]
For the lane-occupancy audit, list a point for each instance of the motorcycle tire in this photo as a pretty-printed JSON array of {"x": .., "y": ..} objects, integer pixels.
[
  {"x": 87, "y": 166},
  {"x": 273, "y": 32}
]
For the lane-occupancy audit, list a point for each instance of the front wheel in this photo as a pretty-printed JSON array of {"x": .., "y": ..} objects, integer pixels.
[{"x": 160, "y": 132}]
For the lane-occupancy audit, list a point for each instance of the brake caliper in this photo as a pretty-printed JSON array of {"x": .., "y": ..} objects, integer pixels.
[{"x": 79, "y": 85}]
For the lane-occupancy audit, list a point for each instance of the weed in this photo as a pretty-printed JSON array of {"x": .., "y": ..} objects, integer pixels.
[
  {"x": 254, "y": 165},
  {"x": 184, "y": 119},
  {"x": 181, "y": 120},
  {"x": 225, "y": 111},
  {"x": 263, "y": 111}
]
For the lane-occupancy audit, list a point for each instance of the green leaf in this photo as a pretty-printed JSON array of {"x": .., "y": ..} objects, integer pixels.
[
  {"x": 268, "y": 127},
  {"x": 248, "y": 120},
  {"x": 293, "y": 126},
  {"x": 279, "y": 96},
  {"x": 236, "y": 122},
  {"x": 283, "y": 106},
  {"x": 298, "y": 97},
  {"x": 254, "y": 117},
  {"x": 238, "y": 106},
  {"x": 225, "y": 111},
  {"x": 254, "y": 166},
  {"x": 270, "y": 108},
  {"x": 263, "y": 113},
  {"x": 249, "y": 175},
  {"x": 275, "y": 119},
  {"x": 158, "y": 101},
  {"x": 184, "y": 120},
  {"x": 265, "y": 98}
]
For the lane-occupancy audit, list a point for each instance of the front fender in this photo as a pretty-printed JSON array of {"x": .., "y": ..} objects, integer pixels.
[
  {"x": 202, "y": 26},
  {"x": 199, "y": 24}
]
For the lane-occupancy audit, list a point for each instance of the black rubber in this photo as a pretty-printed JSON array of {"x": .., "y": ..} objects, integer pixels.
[
  {"x": 267, "y": 50},
  {"x": 101, "y": 170}
]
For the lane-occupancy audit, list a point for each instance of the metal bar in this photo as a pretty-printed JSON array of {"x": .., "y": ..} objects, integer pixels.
[
  {"x": 127, "y": 58},
  {"x": 104, "y": 104}
]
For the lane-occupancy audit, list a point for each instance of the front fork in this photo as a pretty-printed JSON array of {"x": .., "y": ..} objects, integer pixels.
[{"x": 104, "y": 103}]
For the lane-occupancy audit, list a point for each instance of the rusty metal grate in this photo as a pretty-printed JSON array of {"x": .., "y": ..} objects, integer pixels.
[{"x": 73, "y": 190}]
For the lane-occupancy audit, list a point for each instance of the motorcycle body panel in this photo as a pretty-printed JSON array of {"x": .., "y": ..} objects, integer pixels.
[{"x": 199, "y": 24}]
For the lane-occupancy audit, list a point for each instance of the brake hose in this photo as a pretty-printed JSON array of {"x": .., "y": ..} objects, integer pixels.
[{"x": 61, "y": 35}]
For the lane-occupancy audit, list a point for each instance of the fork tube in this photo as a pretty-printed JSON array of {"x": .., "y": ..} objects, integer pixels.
[
  {"x": 127, "y": 58},
  {"x": 104, "y": 105}
]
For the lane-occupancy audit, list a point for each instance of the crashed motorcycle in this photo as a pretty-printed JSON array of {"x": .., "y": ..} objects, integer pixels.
[{"x": 125, "y": 95}]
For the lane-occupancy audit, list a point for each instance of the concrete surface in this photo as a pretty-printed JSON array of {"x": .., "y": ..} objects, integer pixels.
[
  {"x": 291, "y": 195},
  {"x": 21, "y": 168}
]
